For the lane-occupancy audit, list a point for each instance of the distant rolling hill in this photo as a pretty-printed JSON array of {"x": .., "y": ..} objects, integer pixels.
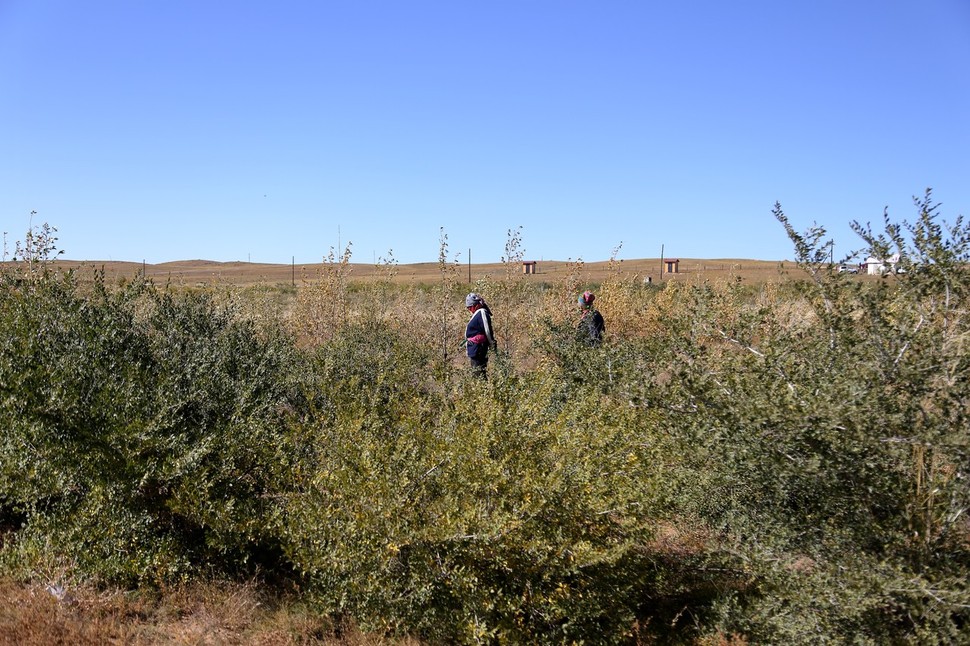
[{"x": 193, "y": 272}]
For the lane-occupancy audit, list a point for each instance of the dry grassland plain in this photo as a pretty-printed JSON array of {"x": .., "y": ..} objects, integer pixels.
[{"x": 211, "y": 273}]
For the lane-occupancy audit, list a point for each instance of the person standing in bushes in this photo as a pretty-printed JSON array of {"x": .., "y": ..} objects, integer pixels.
[
  {"x": 478, "y": 334},
  {"x": 591, "y": 324}
]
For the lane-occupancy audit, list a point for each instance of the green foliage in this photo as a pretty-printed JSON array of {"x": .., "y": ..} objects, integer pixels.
[
  {"x": 781, "y": 464},
  {"x": 482, "y": 512},
  {"x": 142, "y": 428}
]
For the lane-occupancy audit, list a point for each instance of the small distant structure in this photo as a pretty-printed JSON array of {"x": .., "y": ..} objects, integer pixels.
[
  {"x": 672, "y": 265},
  {"x": 879, "y": 266},
  {"x": 529, "y": 266}
]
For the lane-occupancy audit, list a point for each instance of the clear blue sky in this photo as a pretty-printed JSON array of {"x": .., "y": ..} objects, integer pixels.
[{"x": 165, "y": 130}]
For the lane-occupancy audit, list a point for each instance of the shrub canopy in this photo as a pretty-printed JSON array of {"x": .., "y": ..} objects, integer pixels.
[{"x": 780, "y": 464}]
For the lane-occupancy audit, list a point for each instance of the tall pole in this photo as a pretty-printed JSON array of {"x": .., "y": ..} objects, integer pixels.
[{"x": 661, "y": 262}]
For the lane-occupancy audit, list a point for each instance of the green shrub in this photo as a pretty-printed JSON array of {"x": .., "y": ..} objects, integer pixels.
[
  {"x": 781, "y": 464},
  {"x": 139, "y": 423},
  {"x": 515, "y": 510}
]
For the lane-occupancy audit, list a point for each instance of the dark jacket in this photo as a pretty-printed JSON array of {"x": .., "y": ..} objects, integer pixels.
[
  {"x": 592, "y": 326},
  {"x": 479, "y": 325}
]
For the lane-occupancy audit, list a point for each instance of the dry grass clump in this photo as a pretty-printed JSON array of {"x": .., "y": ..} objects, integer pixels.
[{"x": 212, "y": 613}]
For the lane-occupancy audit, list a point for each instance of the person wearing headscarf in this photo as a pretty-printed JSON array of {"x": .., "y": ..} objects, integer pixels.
[
  {"x": 478, "y": 334},
  {"x": 591, "y": 325}
]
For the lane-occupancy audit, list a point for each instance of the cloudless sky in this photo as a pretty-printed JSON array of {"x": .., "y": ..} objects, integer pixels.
[{"x": 163, "y": 130}]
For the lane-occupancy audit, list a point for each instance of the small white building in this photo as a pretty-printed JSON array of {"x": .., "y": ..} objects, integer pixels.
[{"x": 878, "y": 267}]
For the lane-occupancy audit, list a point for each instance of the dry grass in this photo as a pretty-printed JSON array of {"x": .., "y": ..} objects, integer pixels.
[
  {"x": 196, "y": 272},
  {"x": 200, "y": 614}
]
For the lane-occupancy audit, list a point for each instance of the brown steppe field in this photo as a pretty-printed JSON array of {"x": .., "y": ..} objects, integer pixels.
[{"x": 211, "y": 273}]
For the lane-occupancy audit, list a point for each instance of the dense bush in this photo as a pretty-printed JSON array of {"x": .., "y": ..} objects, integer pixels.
[
  {"x": 142, "y": 428},
  {"x": 782, "y": 463}
]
